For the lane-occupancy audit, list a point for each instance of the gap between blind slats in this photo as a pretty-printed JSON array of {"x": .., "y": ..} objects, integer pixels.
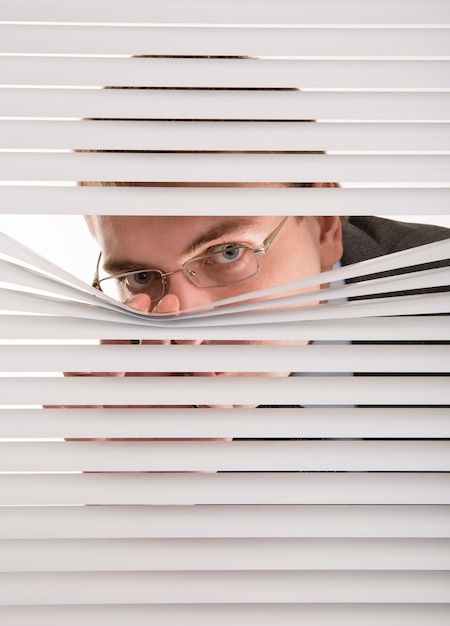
[
  {"x": 228, "y": 456},
  {"x": 350, "y": 614},
  {"x": 303, "y": 423},
  {"x": 247, "y": 41},
  {"x": 278, "y": 521},
  {"x": 222, "y": 105},
  {"x": 243, "y": 73},
  {"x": 157, "y": 390},
  {"x": 198, "y": 136},
  {"x": 42, "y": 555},
  {"x": 207, "y": 201},
  {"x": 23, "y": 267},
  {"x": 211, "y": 587},
  {"x": 65, "y": 285},
  {"x": 256, "y": 358},
  {"x": 305, "y": 12},
  {"x": 225, "y": 168},
  {"x": 225, "y": 488}
]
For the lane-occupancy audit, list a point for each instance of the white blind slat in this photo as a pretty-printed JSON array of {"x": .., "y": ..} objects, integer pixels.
[
  {"x": 203, "y": 12},
  {"x": 222, "y": 105},
  {"x": 238, "y": 488},
  {"x": 212, "y": 587},
  {"x": 244, "y": 521},
  {"x": 222, "y": 390},
  {"x": 227, "y": 168},
  {"x": 223, "y": 554},
  {"x": 303, "y": 423},
  {"x": 406, "y": 200},
  {"x": 153, "y": 136},
  {"x": 223, "y": 614},
  {"x": 346, "y": 520},
  {"x": 207, "y": 358},
  {"x": 25, "y": 302},
  {"x": 242, "y": 73},
  {"x": 386, "y": 329},
  {"x": 214, "y": 456},
  {"x": 242, "y": 41}
]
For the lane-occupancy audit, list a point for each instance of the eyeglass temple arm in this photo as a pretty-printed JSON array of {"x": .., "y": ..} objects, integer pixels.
[
  {"x": 96, "y": 282},
  {"x": 268, "y": 241}
]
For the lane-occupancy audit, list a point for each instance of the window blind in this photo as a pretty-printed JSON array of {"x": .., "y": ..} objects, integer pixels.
[{"x": 333, "y": 509}]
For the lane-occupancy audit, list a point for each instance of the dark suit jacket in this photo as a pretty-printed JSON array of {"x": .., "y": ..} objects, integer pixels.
[{"x": 369, "y": 237}]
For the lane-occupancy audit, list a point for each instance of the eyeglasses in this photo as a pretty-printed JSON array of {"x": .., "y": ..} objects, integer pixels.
[{"x": 226, "y": 264}]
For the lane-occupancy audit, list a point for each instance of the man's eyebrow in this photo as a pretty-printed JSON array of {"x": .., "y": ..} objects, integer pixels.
[
  {"x": 227, "y": 227},
  {"x": 122, "y": 266},
  {"x": 218, "y": 231}
]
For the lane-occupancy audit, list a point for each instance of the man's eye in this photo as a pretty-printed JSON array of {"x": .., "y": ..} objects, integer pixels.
[
  {"x": 140, "y": 279},
  {"x": 226, "y": 253}
]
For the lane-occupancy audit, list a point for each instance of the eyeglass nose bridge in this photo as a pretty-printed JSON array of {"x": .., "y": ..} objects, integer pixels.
[{"x": 190, "y": 274}]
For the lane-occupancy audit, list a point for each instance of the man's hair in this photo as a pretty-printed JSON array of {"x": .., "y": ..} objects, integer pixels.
[
  {"x": 88, "y": 220},
  {"x": 86, "y": 183},
  {"x": 90, "y": 225}
]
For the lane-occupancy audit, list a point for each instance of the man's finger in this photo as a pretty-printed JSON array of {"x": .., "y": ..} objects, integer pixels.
[
  {"x": 168, "y": 304},
  {"x": 140, "y": 302}
]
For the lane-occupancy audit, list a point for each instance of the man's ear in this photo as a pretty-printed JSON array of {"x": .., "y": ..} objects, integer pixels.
[{"x": 330, "y": 240}]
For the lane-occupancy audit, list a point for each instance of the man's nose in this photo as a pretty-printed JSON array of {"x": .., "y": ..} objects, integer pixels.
[
  {"x": 183, "y": 294},
  {"x": 187, "y": 293}
]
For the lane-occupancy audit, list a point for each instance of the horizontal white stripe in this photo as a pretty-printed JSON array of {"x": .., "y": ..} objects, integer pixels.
[
  {"x": 212, "y": 587},
  {"x": 202, "y": 11},
  {"x": 209, "y": 358},
  {"x": 234, "y": 456},
  {"x": 222, "y": 105},
  {"x": 245, "y": 73},
  {"x": 18, "y": 327},
  {"x": 225, "y": 167},
  {"x": 224, "y": 614},
  {"x": 226, "y": 390},
  {"x": 217, "y": 521},
  {"x": 204, "y": 201},
  {"x": 129, "y": 135},
  {"x": 226, "y": 41},
  {"x": 12, "y": 300},
  {"x": 231, "y": 488},
  {"x": 322, "y": 423},
  {"x": 42, "y": 555}
]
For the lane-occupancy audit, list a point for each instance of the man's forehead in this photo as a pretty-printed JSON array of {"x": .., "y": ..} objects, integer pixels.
[
  {"x": 132, "y": 237},
  {"x": 173, "y": 221},
  {"x": 107, "y": 226}
]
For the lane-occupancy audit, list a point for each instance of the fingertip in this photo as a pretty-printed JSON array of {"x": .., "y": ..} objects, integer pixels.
[
  {"x": 168, "y": 304},
  {"x": 140, "y": 302}
]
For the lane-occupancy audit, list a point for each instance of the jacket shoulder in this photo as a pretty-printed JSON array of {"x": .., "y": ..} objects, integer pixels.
[{"x": 369, "y": 237}]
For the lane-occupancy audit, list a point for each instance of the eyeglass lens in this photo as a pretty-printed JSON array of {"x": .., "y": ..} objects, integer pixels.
[{"x": 230, "y": 265}]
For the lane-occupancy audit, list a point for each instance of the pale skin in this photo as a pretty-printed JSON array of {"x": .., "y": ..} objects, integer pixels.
[
  {"x": 302, "y": 248},
  {"x": 130, "y": 243}
]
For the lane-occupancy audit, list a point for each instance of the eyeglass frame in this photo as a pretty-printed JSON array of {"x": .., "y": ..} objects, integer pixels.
[{"x": 96, "y": 283}]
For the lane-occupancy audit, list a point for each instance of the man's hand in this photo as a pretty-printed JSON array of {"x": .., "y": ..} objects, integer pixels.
[{"x": 141, "y": 303}]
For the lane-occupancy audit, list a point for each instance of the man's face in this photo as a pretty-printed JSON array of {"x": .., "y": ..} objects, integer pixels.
[{"x": 301, "y": 248}]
